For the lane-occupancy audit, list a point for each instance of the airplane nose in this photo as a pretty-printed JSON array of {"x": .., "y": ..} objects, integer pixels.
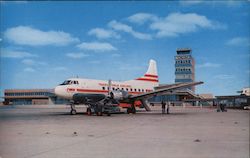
[{"x": 58, "y": 91}]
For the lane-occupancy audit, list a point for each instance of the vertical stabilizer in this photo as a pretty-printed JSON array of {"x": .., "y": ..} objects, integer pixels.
[
  {"x": 151, "y": 74},
  {"x": 152, "y": 69}
]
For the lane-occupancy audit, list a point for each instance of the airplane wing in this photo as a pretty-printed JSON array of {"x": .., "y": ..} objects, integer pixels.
[
  {"x": 168, "y": 89},
  {"x": 164, "y": 90}
]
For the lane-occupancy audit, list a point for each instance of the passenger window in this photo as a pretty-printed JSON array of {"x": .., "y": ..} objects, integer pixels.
[
  {"x": 142, "y": 90},
  {"x": 139, "y": 90},
  {"x": 131, "y": 89},
  {"x": 135, "y": 90},
  {"x": 103, "y": 88},
  {"x": 126, "y": 89}
]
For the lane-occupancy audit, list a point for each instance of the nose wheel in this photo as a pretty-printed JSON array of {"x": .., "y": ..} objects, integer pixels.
[{"x": 73, "y": 112}]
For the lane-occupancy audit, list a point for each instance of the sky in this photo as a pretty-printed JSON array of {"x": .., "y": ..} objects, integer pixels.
[{"x": 44, "y": 43}]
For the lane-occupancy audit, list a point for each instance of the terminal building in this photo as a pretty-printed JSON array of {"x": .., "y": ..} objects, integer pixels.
[{"x": 31, "y": 97}]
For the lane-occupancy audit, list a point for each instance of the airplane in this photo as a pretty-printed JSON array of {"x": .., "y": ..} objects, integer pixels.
[{"x": 101, "y": 96}]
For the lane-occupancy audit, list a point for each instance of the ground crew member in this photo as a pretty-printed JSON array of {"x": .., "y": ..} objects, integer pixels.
[
  {"x": 168, "y": 104},
  {"x": 163, "y": 106}
]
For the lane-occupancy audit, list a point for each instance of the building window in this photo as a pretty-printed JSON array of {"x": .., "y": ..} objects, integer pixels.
[
  {"x": 126, "y": 89},
  {"x": 103, "y": 88}
]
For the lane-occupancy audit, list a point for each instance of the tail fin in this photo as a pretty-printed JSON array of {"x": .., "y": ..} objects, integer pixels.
[{"x": 151, "y": 74}]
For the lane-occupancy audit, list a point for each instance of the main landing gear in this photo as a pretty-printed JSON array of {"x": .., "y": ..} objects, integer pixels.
[
  {"x": 131, "y": 110},
  {"x": 73, "y": 109},
  {"x": 97, "y": 109}
]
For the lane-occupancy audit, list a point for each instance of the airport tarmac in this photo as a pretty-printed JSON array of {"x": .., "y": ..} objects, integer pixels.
[{"x": 51, "y": 132}]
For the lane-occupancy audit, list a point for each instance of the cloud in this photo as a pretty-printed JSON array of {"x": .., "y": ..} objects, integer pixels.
[
  {"x": 229, "y": 3},
  {"x": 76, "y": 55},
  {"x": 141, "y": 18},
  {"x": 60, "y": 68},
  {"x": 208, "y": 65},
  {"x": 223, "y": 77},
  {"x": 16, "y": 54},
  {"x": 13, "y": 2},
  {"x": 96, "y": 46},
  {"x": 28, "y": 62},
  {"x": 238, "y": 41},
  {"x": 32, "y": 62},
  {"x": 1, "y": 39},
  {"x": 29, "y": 69},
  {"x": 128, "y": 29},
  {"x": 103, "y": 34},
  {"x": 193, "y": 2},
  {"x": 25, "y": 35},
  {"x": 177, "y": 23}
]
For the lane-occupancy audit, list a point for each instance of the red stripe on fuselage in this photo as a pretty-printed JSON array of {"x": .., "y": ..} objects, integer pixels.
[
  {"x": 100, "y": 91},
  {"x": 92, "y": 91}
]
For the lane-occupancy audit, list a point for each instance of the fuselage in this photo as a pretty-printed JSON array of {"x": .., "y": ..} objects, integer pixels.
[
  {"x": 90, "y": 86},
  {"x": 143, "y": 84}
]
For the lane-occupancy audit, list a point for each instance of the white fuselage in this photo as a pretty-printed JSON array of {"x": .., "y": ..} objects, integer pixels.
[
  {"x": 140, "y": 85},
  {"x": 90, "y": 86}
]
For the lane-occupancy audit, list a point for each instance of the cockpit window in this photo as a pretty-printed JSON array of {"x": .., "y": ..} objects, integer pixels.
[
  {"x": 65, "y": 82},
  {"x": 68, "y": 82}
]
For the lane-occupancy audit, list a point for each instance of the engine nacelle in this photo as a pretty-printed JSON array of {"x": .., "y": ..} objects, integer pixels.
[{"x": 119, "y": 94}]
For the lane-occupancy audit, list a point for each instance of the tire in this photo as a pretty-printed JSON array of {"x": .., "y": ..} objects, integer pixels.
[
  {"x": 133, "y": 110},
  {"x": 129, "y": 110},
  {"x": 99, "y": 113},
  {"x": 89, "y": 113},
  {"x": 73, "y": 112}
]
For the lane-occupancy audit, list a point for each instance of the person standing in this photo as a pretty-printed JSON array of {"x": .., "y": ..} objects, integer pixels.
[
  {"x": 168, "y": 104},
  {"x": 163, "y": 107}
]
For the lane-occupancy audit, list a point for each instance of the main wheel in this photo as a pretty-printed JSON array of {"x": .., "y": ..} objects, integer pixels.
[
  {"x": 89, "y": 111},
  {"x": 133, "y": 110},
  {"x": 73, "y": 112},
  {"x": 99, "y": 113},
  {"x": 129, "y": 110}
]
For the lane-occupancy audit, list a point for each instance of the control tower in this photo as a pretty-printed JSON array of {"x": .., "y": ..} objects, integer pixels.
[{"x": 184, "y": 66}]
